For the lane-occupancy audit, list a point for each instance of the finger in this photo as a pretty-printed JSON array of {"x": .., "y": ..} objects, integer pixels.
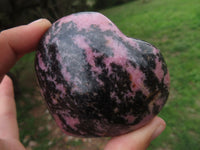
[
  {"x": 139, "y": 139},
  {"x": 18, "y": 41},
  {"x": 8, "y": 120}
]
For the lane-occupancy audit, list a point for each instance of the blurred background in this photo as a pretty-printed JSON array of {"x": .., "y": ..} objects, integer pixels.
[
  {"x": 173, "y": 26},
  {"x": 13, "y": 13}
]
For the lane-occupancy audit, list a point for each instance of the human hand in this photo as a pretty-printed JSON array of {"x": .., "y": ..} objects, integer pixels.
[
  {"x": 9, "y": 134},
  {"x": 139, "y": 139},
  {"x": 16, "y": 42}
]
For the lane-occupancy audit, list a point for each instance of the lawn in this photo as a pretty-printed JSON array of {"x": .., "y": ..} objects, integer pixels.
[{"x": 173, "y": 26}]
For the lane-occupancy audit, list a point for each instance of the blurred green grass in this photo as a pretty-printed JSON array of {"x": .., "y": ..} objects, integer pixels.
[{"x": 173, "y": 26}]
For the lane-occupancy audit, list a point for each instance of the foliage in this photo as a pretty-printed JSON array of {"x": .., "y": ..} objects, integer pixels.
[
  {"x": 13, "y": 13},
  {"x": 102, "y": 4}
]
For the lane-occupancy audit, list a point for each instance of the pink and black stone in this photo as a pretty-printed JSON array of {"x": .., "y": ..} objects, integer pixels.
[{"x": 96, "y": 81}]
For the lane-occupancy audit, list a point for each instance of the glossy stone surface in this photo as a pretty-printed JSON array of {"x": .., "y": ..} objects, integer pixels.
[{"x": 95, "y": 80}]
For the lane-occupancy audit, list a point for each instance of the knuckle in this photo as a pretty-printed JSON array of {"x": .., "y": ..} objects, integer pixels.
[{"x": 3, "y": 35}]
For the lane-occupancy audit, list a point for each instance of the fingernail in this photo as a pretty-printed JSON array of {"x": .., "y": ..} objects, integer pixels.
[
  {"x": 158, "y": 131},
  {"x": 37, "y": 21}
]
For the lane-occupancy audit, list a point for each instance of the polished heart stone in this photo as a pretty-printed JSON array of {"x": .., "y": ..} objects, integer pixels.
[{"x": 96, "y": 81}]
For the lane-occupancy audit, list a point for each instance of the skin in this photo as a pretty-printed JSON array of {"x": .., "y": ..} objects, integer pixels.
[{"x": 16, "y": 42}]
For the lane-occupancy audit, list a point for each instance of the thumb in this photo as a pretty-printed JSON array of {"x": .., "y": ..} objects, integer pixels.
[{"x": 139, "y": 139}]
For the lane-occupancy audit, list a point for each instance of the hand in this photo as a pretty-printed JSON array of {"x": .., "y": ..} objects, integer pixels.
[
  {"x": 139, "y": 139},
  {"x": 9, "y": 134},
  {"x": 16, "y": 42}
]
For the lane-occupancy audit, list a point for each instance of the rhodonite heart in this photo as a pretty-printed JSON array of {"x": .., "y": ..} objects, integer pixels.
[{"x": 96, "y": 81}]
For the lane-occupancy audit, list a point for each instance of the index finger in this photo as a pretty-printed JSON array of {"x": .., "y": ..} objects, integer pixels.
[{"x": 16, "y": 42}]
